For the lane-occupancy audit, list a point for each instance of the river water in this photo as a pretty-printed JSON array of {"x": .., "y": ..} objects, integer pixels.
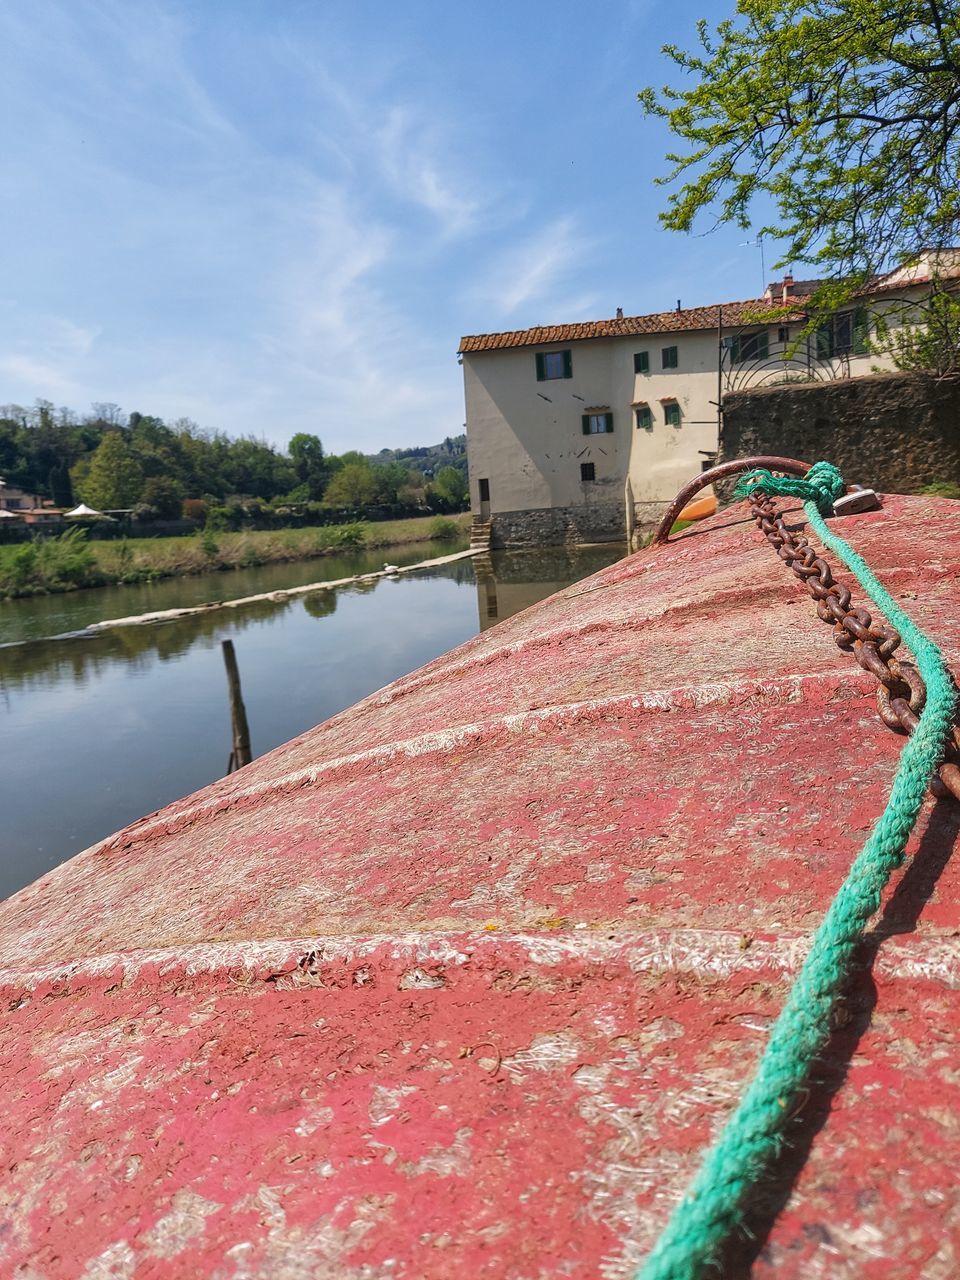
[{"x": 98, "y": 730}]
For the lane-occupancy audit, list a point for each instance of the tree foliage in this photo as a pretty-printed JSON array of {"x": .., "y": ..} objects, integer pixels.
[
  {"x": 163, "y": 498},
  {"x": 156, "y": 466},
  {"x": 354, "y": 485},
  {"x": 311, "y": 464},
  {"x": 449, "y": 490},
  {"x": 845, "y": 112},
  {"x": 114, "y": 478},
  {"x": 927, "y": 338}
]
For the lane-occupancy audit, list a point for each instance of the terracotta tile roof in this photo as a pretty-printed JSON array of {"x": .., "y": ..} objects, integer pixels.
[
  {"x": 891, "y": 286},
  {"x": 691, "y": 318},
  {"x": 735, "y": 314}
]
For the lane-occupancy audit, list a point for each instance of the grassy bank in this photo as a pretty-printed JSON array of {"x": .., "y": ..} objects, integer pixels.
[{"x": 69, "y": 562}]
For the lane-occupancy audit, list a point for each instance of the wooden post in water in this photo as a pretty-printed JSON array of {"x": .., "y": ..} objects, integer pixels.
[{"x": 240, "y": 753}]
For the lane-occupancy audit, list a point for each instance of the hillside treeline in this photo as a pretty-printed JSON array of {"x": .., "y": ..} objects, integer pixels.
[{"x": 113, "y": 461}]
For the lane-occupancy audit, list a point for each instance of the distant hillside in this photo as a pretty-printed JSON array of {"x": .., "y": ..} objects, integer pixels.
[{"x": 429, "y": 458}]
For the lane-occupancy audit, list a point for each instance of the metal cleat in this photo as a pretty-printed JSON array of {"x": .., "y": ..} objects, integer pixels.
[{"x": 855, "y": 500}]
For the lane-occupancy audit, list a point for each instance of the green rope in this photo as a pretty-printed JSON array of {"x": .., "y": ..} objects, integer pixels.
[
  {"x": 822, "y": 483},
  {"x": 752, "y": 1136}
]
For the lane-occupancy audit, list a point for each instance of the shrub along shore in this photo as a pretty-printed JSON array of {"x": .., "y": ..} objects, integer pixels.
[{"x": 69, "y": 562}]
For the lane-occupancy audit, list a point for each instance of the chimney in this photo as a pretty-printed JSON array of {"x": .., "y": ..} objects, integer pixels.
[
  {"x": 678, "y": 304},
  {"x": 619, "y": 313},
  {"x": 787, "y": 288}
]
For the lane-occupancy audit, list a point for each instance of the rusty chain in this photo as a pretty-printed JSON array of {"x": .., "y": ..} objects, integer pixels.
[{"x": 901, "y": 692}]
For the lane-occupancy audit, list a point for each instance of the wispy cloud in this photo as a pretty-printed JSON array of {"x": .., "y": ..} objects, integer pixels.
[
  {"x": 419, "y": 166},
  {"x": 333, "y": 326},
  {"x": 285, "y": 222},
  {"x": 42, "y": 381},
  {"x": 540, "y": 270},
  {"x": 49, "y": 356}
]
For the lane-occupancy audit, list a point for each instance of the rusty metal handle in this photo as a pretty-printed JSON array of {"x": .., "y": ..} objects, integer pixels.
[{"x": 792, "y": 466}]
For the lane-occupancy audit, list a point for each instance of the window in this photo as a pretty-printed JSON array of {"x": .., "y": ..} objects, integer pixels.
[
  {"x": 553, "y": 364},
  {"x": 783, "y": 334},
  {"x": 484, "y": 490},
  {"x": 596, "y": 423},
  {"x": 644, "y": 418},
  {"x": 668, "y": 357},
  {"x": 641, "y": 362},
  {"x": 749, "y": 346},
  {"x": 671, "y": 413},
  {"x": 587, "y": 471},
  {"x": 843, "y": 334}
]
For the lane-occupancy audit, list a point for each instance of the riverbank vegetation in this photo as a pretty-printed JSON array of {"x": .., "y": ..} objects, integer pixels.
[
  {"x": 69, "y": 561},
  {"x": 138, "y": 463}
]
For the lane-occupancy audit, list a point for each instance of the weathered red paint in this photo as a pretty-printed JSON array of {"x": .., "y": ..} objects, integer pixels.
[{"x": 461, "y": 981}]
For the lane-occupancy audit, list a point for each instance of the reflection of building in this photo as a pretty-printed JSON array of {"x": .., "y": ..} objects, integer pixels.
[
  {"x": 511, "y": 581},
  {"x": 579, "y": 432}
]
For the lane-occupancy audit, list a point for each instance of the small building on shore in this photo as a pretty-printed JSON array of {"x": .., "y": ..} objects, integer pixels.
[{"x": 20, "y": 509}]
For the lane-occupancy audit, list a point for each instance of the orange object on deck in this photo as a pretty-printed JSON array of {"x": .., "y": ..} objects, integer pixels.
[{"x": 700, "y": 508}]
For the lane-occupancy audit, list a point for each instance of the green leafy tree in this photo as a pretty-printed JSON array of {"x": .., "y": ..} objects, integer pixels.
[
  {"x": 114, "y": 478},
  {"x": 390, "y": 478},
  {"x": 58, "y": 482},
  {"x": 845, "y": 112},
  {"x": 163, "y": 495},
  {"x": 257, "y": 470},
  {"x": 354, "y": 485},
  {"x": 452, "y": 484},
  {"x": 310, "y": 464},
  {"x": 928, "y": 338}
]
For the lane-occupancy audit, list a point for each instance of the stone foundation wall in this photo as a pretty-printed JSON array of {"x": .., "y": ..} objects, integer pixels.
[
  {"x": 554, "y": 526},
  {"x": 559, "y": 526},
  {"x": 892, "y": 432}
]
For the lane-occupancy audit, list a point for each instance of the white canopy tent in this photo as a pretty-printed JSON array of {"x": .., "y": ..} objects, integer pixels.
[{"x": 83, "y": 510}]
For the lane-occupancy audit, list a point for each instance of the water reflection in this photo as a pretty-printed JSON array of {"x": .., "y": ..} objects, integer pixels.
[
  {"x": 78, "y": 657},
  {"x": 42, "y": 616},
  {"x": 113, "y": 725},
  {"x": 508, "y": 581}
]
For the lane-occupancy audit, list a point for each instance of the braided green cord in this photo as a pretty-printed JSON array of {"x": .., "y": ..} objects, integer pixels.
[{"x": 713, "y": 1201}]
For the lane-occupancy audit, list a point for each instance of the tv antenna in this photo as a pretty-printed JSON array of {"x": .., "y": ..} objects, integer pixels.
[{"x": 763, "y": 266}]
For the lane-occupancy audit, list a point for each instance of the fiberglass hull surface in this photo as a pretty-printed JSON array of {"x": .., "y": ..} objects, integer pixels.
[{"x": 463, "y": 979}]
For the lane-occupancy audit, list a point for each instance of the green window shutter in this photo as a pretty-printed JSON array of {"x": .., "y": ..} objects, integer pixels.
[
  {"x": 641, "y": 362},
  {"x": 861, "y": 332},
  {"x": 825, "y": 341},
  {"x": 541, "y": 372},
  {"x": 585, "y": 423},
  {"x": 763, "y": 345},
  {"x": 609, "y": 418},
  {"x": 735, "y": 350},
  {"x": 568, "y": 364}
]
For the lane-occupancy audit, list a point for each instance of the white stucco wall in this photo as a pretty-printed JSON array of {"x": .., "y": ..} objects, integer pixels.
[{"x": 525, "y": 437}]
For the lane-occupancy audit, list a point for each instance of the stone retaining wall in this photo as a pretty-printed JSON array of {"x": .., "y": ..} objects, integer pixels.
[{"x": 894, "y": 432}]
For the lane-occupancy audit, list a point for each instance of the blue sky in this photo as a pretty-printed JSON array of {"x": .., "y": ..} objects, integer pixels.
[{"x": 274, "y": 216}]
